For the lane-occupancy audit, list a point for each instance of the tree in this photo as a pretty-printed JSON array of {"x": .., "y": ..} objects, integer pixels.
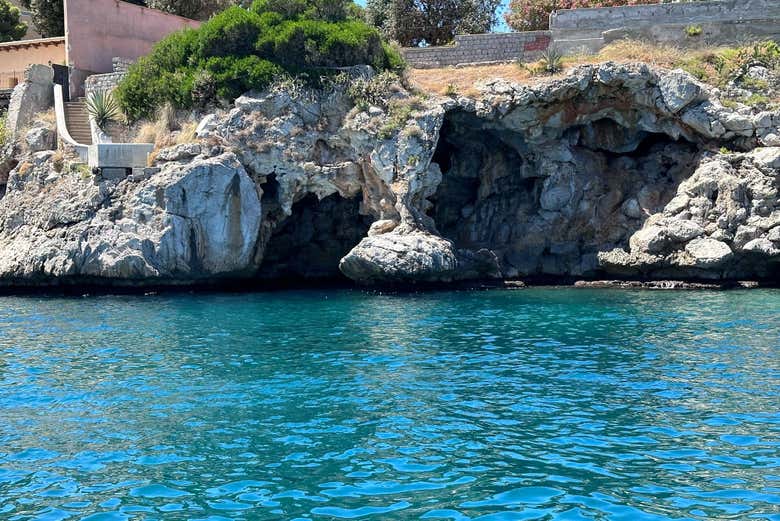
[
  {"x": 326, "y": 10},
  {"x": 242, "y": 49},
  {"x": 10, "y": 27},
  {"x": 534, "y": 15},
  {"x": 196, "y": 9},
  {"x": 48, "y": 16},
  {"x": 433, "y": 22}
]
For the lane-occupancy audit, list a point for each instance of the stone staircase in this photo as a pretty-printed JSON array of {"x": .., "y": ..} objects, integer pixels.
[{"x": 77, "y": 121}]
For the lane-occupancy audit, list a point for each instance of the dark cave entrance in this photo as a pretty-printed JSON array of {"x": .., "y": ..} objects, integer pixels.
[
  {"x": 497, "y": 191},
  {"x": 309, "y": 244},
  {"x": 486, "y": 179}
]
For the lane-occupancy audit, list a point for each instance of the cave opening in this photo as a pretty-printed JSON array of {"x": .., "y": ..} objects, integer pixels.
[
  {"x": 543, "y": 212},
  {"x": 308, "y": 245}
]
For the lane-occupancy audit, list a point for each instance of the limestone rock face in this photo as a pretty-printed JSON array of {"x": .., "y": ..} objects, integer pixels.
[
  {"x": 723, "y": 223},
  {"x": 679, "y": 90},
  {"x": 612, "y": 169},
  {"x": 186, "y": 224},
  {"x": 33, "y": 95},
  {"x": 39, "y": 139}
]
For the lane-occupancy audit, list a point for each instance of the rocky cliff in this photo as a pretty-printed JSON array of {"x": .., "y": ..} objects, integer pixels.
[{"x": 613, "y": 170}]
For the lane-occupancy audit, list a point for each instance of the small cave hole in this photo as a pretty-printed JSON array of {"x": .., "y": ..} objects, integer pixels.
[{"x": 309, "y": 244}]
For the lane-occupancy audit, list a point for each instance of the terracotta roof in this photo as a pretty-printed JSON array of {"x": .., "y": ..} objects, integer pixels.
[{"x": 40, "y": 42}]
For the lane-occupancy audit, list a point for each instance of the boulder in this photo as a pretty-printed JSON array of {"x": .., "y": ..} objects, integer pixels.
[
  {"x": 394, "y": 258},
  {"x": 679, "y": 89},
  {"x": 708, "y": 253},
  {"x": 39, "y": 139}
]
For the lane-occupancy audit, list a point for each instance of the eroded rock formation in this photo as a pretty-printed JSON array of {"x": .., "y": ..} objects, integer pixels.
[{"x": 612, "y": 170}]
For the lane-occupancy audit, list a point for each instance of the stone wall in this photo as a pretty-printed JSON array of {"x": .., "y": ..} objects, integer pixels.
[
  {"x": 109, "y": 81},
  {"x": 653, "y": 14},
  {"x": 481, "y": 48},
  {"x": 102, "y": 82},
  {"x": 722, "y": 22},
  {"x": 573, "y": 31}
]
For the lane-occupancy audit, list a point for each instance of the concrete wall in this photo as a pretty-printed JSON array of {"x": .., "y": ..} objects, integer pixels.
[
  {"x": 481, "y": 48},
  {"x": 573, "y": 31},
  {"x": 653, "y": 14},
  {"x": 15, "y": 57},
  {"x": 722, "y": 22},
  {"x": 98, "y": 30}
]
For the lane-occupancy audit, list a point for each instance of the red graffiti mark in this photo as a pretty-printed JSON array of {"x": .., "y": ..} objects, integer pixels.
[{"x": 539, "y": 43}]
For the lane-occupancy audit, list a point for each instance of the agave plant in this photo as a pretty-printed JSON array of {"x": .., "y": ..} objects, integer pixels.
[
  {"x": 103, "y": 107},
  {"x": 552, "y": 60}
]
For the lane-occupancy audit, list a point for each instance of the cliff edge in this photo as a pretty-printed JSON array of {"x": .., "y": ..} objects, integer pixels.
[{"x": 616, "y": 170}]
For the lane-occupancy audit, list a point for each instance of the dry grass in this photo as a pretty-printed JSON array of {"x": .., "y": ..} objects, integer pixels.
[
  {"x": 47, "y": 117},
  {"x": 186, "y": 133},
  {"x": 169, "y": 128},
  {"x": 466, "y": 80},
  {"x": 158, "y": 131}
]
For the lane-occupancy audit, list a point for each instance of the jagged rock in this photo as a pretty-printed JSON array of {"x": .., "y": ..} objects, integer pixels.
[
  {"x": 40, "y": 138},
  {"x": 606, "y": 170},
  {"x": 768, "y": 157},
  {"x": 763, "y": 246},
  {"x": 395, "y": 258},
  {"x": 206, "y": 125},
  {"x": 31, "y": 96},
  {"x": 731, "y": 208},
  {"x": 188, "y": 223},
  {"x": 179, "y": 152},
  {"x": 679, "y": 90},
  {"x": 415, "y": 257},
  {"x": 708, "y": 253}
]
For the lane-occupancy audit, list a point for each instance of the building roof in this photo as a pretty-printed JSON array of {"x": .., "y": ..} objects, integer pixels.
[{"x": 39, "y": 42}]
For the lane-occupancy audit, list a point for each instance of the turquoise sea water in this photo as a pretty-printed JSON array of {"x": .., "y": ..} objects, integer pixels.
[{"x": 560, "y": 404}]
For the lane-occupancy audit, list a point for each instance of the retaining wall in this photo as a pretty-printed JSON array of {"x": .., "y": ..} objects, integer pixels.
[
  {"x": 481, "y": 48},
  {"x": 573, "y": 31},
  {"x": 604, "y": 18},
  {"x": 108, "y": 81}
]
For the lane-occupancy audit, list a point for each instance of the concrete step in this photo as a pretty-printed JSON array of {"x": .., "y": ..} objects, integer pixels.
[{"x": 77, "y": 121}]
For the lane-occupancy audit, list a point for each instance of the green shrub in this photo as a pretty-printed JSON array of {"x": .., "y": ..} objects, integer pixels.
[
  {"x": 242, "y": 49},
  {"x": 375, "y": 91},
  {"x": 552, "y": 60},
  {"x": 692, "y": 31}
]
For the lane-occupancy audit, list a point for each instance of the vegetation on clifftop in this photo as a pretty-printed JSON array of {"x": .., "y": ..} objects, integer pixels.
[
  {"x": 241, "y": 49},
  {"x": 729, "y": 68},
  {"x": 431, "y": 22}
]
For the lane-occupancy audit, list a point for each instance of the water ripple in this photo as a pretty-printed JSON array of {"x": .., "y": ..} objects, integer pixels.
[{"x": 554, "y": 404}]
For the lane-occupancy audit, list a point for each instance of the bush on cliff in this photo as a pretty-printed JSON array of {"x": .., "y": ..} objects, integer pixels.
[{"x": 241, "y": 49}]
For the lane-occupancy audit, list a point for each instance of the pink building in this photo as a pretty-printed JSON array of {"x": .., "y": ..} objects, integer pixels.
[{"x": 96, "y": 31}]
